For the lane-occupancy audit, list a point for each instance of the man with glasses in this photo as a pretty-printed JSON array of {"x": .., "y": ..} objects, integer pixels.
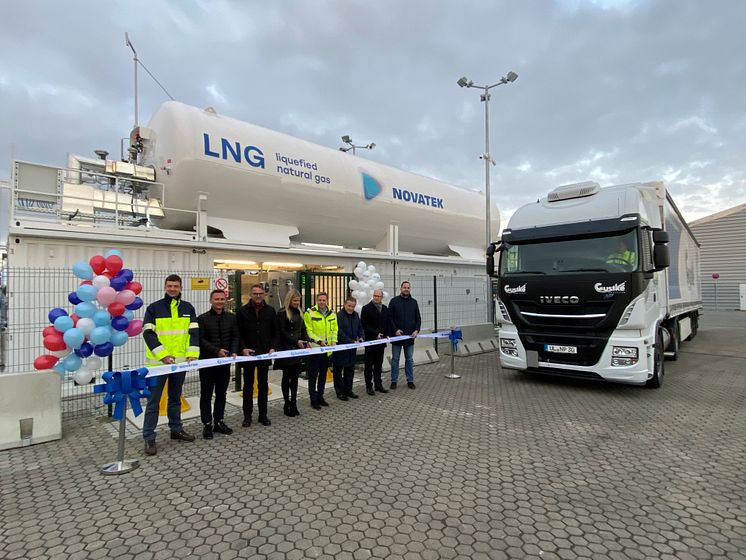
[
  {"x": 375, "y": 319},
  {"x": 258, "y": 330}
]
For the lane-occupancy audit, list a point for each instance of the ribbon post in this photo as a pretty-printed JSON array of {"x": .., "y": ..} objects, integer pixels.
[
  {"x": 454, "y": 336},
  {"x": 122, "y": 388}
]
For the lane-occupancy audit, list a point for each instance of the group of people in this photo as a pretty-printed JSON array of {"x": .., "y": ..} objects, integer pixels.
[{"x": 173, "y": 334}]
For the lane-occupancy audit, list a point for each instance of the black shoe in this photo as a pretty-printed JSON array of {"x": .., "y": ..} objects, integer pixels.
[
  {"x": 370, "y": 391},
  {"x": 264, "y": 421},
  {"x": 393, "y": 385},
  {"x": 182, "y": 436},
  {"x": 221, "y": 428},
  {"x": 294, "y": 408},
  {"x": 150, "y": 448},
  {"x": 322, "y": 402},
  {"x": 316, "y": 406},
  {"x": 342, "y": 397},
  {"x": 410, "y": 384},
  {"x": 207, "y": 431},
  {"x": 352, "y": 395},
  {"x": 381, "y": 389},
  {"x": 246, "y": 421}
]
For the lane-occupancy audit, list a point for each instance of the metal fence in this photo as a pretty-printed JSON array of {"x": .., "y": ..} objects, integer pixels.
[{"x": 444, "y": 302}]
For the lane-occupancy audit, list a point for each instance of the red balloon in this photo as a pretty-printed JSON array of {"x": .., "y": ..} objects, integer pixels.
[
  {"x": 54, "y": 342},
  {"x": 50, "y": 330},
  {"x": 109, "y": 274},
  {"x": 86, "y": 282},
  {"x": 45, "y": 361},
  {"x": 75, "y": 319},
  {"x": 114, "y": 263},
  {"x": 98, "y": 264},
  {"x": 135, "y": 287},
  {"x": 116, "y": 309}
]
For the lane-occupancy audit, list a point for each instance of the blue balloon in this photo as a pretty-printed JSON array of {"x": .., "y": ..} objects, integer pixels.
[
  {"x": 83, "y": 270},
  {"x": 85, "y": 309},
  {"x": 72, "y": 362},
  {"x": 119, "y": 323},
  {"x": 104, "y": 349},
  {"x": 111, "y": 252},
  {"x": 118, "y": 338},
  {"x": 87, "y": 292},
  {"x": 56, "y": 312},
  {"x": 118, "y": 283},
  {"x": 59, "y": 368},
  {"x": 101, "y": 318},
  {"x": 129, "y": 314},
  {"x": 85, "y": 350},
  {"x": 63, "y": 323},
  {"x": 74, "y": 337},
  {"x": 73, "y": 298},
  {"x": 137, "y": 304},
  {"x": 125, "y": 273},
  {"x": 100, "y": 335}
]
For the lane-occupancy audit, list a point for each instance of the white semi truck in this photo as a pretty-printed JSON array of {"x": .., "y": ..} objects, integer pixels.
[{"x": 599, "y": 283}]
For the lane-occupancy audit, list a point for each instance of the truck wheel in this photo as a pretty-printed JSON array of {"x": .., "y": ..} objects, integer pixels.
[
  {"x": 675, "y": 343},
  {"x": 658, "y": 367}
]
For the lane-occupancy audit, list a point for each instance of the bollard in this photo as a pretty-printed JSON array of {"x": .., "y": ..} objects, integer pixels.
[
  {"x": 121, "y": 465},
  {"x": 454, "y": 337}
]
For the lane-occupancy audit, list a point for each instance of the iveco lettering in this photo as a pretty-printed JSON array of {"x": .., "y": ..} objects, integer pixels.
[{"x": 611, "y": 297}]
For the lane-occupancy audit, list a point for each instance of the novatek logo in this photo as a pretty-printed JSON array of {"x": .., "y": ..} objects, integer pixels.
[
  {"x": 417, "y": 198},
  {"x": 371, "y": 187},
  {"x": 601, "y": 289},
  {"x": 516, "y": 290}
]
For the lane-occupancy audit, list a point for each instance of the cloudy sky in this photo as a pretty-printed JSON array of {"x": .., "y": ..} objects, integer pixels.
[{"x": 610, "y": 90}]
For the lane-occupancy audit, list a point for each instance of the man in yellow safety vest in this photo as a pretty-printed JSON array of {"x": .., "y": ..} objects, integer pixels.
[{"x": 321, "y": 326}]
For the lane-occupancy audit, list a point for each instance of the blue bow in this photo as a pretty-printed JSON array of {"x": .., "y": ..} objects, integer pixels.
[
  {"x": 120, "y": 385},
  {"x": 454, "y": 337}
]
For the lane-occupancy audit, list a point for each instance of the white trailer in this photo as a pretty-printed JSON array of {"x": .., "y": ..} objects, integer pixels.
[{"x": 597, "y": 283}]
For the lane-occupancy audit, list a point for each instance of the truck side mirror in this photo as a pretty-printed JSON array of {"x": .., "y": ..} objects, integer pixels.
[
  {"x": 660, "y": 237},
  {"x": 491, "y": 248},
  {"x": 661, "y": 255}
]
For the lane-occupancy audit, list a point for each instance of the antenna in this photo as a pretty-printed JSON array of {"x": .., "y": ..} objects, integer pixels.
[{"x": 134, "y": 52}]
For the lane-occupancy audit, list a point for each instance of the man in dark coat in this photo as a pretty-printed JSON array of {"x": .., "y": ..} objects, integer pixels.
[
  {"x": 218, "y": 338},
  {"x": 375, "y": 319},
  {"x": 349, "y": 330},
  {"x": 404, "y": 314},
  {"x": 258, "y": 328}
]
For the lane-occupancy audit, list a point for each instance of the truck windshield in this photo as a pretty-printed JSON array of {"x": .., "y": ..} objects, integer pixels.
[{"x": 617, "y": 253}]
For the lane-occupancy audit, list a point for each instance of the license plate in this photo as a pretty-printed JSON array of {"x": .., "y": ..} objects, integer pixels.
[{"x": 560, "y": 349}]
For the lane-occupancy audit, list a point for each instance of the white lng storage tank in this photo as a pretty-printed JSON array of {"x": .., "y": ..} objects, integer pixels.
[{"x": 291, "y": 189}]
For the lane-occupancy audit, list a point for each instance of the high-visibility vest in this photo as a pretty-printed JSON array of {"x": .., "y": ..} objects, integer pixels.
[
  {"x": 319, "y": 327},
  {"x": 622, "y": 257},
  {"x": 170, "y": 328}
]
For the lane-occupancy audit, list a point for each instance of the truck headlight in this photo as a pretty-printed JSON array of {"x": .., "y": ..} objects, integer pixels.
[
  {"x": 509, "y": 347},
  {"x": 623, "y": 356}
]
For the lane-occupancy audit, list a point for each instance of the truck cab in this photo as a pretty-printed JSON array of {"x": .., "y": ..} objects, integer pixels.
[{"x": 582, "y": 282}]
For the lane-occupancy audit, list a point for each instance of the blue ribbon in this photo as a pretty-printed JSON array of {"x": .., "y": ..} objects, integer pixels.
[
  {"x": 122, "y": 385},
  {"x": 454, "y": 336}
]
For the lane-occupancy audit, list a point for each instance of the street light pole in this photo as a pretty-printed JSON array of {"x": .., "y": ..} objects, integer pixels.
[
  {"x": 485, "y": 97},
  {"x": 351, "y": 146}
]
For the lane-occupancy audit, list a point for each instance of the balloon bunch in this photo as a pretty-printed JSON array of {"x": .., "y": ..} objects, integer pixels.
[
  {"x": 103, "y": 318},
  {"x": 367, "y": 281}
]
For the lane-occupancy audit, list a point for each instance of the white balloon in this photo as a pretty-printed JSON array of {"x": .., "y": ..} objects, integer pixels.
[
  {"x": 93, "y": 362},
  {"x": 83, "y": 376},
  {"x": 358, "y": 307},
  {"x": 61, "y": 353},
  {"x": 358, "y": 272},
  {"x": 375, "y": 276},
  {"x": 86, "y": 325},
  {"x": 371, "y": 268},
  {"x": 101, "y": 281},
  {"x": 362, "y": 265},
  {"x": 353, "y": 285},
  {"x": 385, "y": 295},
  {"x": 377, "y": 286},
  {"x": 371, "y": 283},
  {"x": 366, "y": 275}
]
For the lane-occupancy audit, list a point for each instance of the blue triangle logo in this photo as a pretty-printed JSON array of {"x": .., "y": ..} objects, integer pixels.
[{"x": 371, "y": 187}]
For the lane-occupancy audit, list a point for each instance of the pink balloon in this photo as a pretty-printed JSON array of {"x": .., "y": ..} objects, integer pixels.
[
  {"x": 134, "y": 328},
  {"x": 106, "y": 296},
  {"x": 125, "y": 297}
]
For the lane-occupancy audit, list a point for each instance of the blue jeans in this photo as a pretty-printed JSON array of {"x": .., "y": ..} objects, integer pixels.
[
  {"x": 175, "y": 383},
  {"x": 408, "y": 362}
]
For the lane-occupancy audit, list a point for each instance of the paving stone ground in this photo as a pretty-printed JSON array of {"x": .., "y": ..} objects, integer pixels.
[{"x": 493, "y": 465}]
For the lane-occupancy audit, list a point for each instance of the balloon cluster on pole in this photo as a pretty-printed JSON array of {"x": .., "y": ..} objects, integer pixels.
[
  {"x": 367, "y": 281},
  {"x": 103, "y": 318}
]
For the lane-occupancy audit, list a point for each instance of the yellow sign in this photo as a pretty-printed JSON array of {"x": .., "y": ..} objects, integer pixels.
[{"x": 200, "y": 283}]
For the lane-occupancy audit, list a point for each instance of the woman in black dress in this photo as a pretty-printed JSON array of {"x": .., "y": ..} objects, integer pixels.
[{"x": 292, "y": 332}]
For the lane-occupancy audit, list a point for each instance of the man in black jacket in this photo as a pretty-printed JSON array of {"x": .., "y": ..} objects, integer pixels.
[
  {"x": 258, "y": 329},
  {"x": 375, "y": 319},
  {"x": 218, "y": 338},
  {"x": 405, "y": 320}
]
